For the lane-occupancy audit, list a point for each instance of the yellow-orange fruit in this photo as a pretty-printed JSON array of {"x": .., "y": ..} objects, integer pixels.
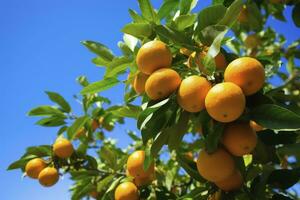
[
  {"x": 252, "y": 41},
  {"x": 94, "y": 194},
  {"x": 142, "y": 181},
  {"x": 48, "y": 176},
  {"x": 63, "y": 148},
  {"x": 216, "y": 166},
  {"x": 225, "y": 102},
  {"x": 192, "y": 92},
  {"x": 233, "y": 182},
  {"x": 34, "y": 167},
  {"x": 239, "y": 138},
  {"x": 162, "y": 83},
  {"x": 139, "y": 82},
  {"x": 153, "y": 56},
  {"x": 243, "y": 16},
  {"x": 126, "y": 191},
  {"x": 95, "y": 124},
  {"x": 256, "y": 126},
  {"x": 135, "y": 165},
  {"x": 80, "y": 133},
  {"x": 248, "y": 73}
]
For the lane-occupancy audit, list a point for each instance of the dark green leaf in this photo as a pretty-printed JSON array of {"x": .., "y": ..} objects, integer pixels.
[
  {"x": 100, "y": 86},
  {"x": 184, "y": 21},
  {"x": 52, "y": 121},
  {"x": 147, "y": 10},
  {"x": 269, "y": 137},
  {"x": 190, "y": 167},
  {"x": 108, "y": 155},
  {"x": 185, "y": 6},
  {"x": 167, "y": 7},
  {"x": 101, "y": 185},
  {"x": 136, "y": 17},
  {"x": 213, "y": 137},
  {"x": 296, "y": 14},
  {"x": 284, "y": 178},
  {"x": 20, "y": 163},
  {"x": 45, "y": 111},
  {"x": 99, "y": 49},
  {"x": 210, "y": 16},
  {"x": 57, "y": 98}
]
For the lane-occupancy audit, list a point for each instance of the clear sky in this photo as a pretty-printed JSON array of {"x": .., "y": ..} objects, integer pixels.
[{"x": 40, "y": 50}]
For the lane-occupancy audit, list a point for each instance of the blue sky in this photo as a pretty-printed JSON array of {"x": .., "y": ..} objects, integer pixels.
[{"x": 40, "y": 51}]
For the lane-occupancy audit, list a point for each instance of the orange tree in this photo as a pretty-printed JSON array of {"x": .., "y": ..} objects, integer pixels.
[{"x": 198, "y": 85}]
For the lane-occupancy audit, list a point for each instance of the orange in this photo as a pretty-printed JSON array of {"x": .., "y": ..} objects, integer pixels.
[
  {"x": 48, "y": 176},
  {"x": 216, "y": 166},
  {"x": 246, "y": 72},
  {"x": 139, "y": 82},
  {"x": 220, "y": 61},
  {"x": 135, "y": 165},
  {"x": 162, "y": 83},
  {"x": 94, "y": 194},
  {"x": 141, "y": 181},
  {"x": 63, "y": 148},
  {"x": 233, "y": 182},
  {"x": 153, "y": 56},
  {"x": 95, "y": 124},
  {"x": 256, "y": 126},
  {"x": 185, "y": 51},
  {"x": 225, "y": 102},
  {"x": 239, "y": 138},
  {"x": 192, "y": 92},
  {"x": 252, "y": 41},
  {"x": 243, "y": 16},
  {"x": 80, "y": 133},
  {"x": 34, "y": 167},
  {"x": 126, "y": 191},
  {"x": 189, "y": 155}
]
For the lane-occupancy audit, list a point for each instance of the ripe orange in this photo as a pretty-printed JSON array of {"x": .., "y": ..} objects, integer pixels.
[
  {"x": 141, "y": 181},
  {"x": 139, "y": 82},
  {"x": 162, "y": 83},
  {"x": 153, "y": 56},
  {"x": 189, "y": 155},
  {"x": 192, "y": 92},
  {"x": 48, "y": 176},
  {"x": 63, "y": 148},
  {"x": 225, "y": 102},
  {"x": 34, "y": 167},
  {"x": 216, "y": 166},
  {"x": 233, "y": 182},
  {"x": 135, "y": 165},
  {"x": 239, "y": 138},
  {"x": 252, "y": 41},
  {"x": 95, "y": 124},
  {"x": 220, "y": 61},
  {"x": 246, "y": 72},
  {"x": 256, "y": 126},
  {"x": 126, "y": 191},
  {"x": 243, "y": 16}
]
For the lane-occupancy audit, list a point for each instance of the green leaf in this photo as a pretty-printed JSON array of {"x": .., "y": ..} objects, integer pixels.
[
  {"x": 232, "y": 13},
  {"x": 57, "y": 98},
  {"x": 52, "y": 121},
  {"x": 190, "y": 167},
  {"x": 99, "y": 49},
  {"x": 39, "y": 151},
  {"x": 20, "y": 163},
  {"x": 213, "y": 137},
  {"x": 167, "y": 7},
  {"x": 74, "y": 128},
  {"x": 100, "y": 62},
  {"x": 195, "y": 194},
  {"x": 184, "y": 21},
  {"x": 296, "y": 14},
  {"x": 136, "y": 17},
  {"x": 117, "y": 66},
  {"x": 138, "y": 29},
  {"x": 45, "y": 111},
  {"x": 108, "y": 155},
  {"x": 160, "y": 141},
  {"x": 130, "y": 111},
  {"x": 186, "y": 6},
  {"x": 112, "y": 186},
  {"x": 100, "y": 86},
  {"x": 275, "y": 117},
  {"x": 210, "y": 16},
  {"x": 269, "y": 137},
  {"x": 284, "y": 178},
  {"x": 147, "y": 10},
  {"x": 101, "y": 185}
]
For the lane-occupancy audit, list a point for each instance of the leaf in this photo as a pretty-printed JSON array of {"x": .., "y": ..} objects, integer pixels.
[
  {"x": 190, "y": 167},
  {"x": 184, "y": 21},
  {"x": 39, "y": 151},
  {"x": 275, "y": 117},
  {"x": 160, "y": 141},
  {"x": 130, "y": 41},
  {"x": 20, "y": 163},
  {"x": 118, "y": 65},
  {"x": 232, "y": 13},
  {"x": 209, "y": 34},
  {"x": 147, "y": 10},
  {"x": 213, "y": 137},
  {"x": 284, "y": 178},
  {"x": 53, "y": 121},
  {"x": 100, "y": 86},
  {"x": 74, "y": 128},
  {"x": 45, "y": 111},
  {"x": 101, "y": 185},
  {"x": 136, "y": 17},
  {"x": 138, "y": 29},
  {"x": 57, "y": 98},
  {"x": 108, "y": 156},
  {"x": 269, "y": 137},
  {"x": 99, "y": 49},
  {"x": 210, "y": 16},
  {"x": 166, "y": 8},
  {"x": 185, "y": 6},
  {"x": 130, "y": 111},
  {"x": 296, "y": 14},
  {"x": 195, "y": 194},
  {"x": 112, "y": 186}
]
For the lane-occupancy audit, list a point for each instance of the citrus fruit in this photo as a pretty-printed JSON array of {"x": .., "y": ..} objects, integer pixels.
[
  {"x": 256, "y": 126},
  {"x": 48, "y": 176},
  {"x": 139, "y": 82},
  {"x": 233, "y": 182},
  {"x": 63, "y": 148},
  {"x": 135, "y": 165},
  {"x": 34, "y": 167},
  {"x": 126, "y": 191}
]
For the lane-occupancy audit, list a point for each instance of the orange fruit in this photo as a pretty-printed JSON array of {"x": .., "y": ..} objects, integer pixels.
[
  {"x": 246, "y": 72},
  {"x": 126, "y": 191},
  {"x": 162, "y": 83},
  {"x": 220, "y": 61},
  {"x": 63, "y": 148},
  {"x": 216, "y": 166},
  {"x": 233, "y": 182},
  {"x": 225, "y": 102},
  {"x": 95, "y": 124},
  {"x": 48, "y": 176},
  {"x": 135, "y": 165},
  {"x": 139, "y": 82},
  {"x": 192, "y": 92},
  {"x": 252, "y": 41},
  {"x": 152, "y": 56},
  {"x": 243, "y": 16},
  {"x": 239, "y": 138},
  {"x": 142, "y": 181},
  {"x": 34, "y": 167},
  {"x": 256, "y": 126},
  {"x": 94, "y": 194},
  {"x": 80, "y": 133}
]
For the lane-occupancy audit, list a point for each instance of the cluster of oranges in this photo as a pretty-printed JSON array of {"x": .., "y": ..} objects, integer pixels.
[
  {"x": 38, "y": 168},
  {"x": 225, "y": 102},
  {"x": 135, "y": 169}
]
